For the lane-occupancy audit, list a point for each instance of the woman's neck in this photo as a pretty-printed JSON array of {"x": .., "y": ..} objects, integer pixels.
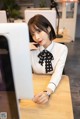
[{"x": 46, "y": 45}]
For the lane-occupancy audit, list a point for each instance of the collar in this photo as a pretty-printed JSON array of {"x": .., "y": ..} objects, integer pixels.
[{"x": 49, "y": 48}]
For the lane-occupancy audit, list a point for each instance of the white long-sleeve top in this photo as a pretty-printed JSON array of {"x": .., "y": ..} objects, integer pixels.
[{"x": 59, "y": 52}]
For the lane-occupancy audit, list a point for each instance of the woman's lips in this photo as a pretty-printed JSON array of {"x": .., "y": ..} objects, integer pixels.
[{"x": 40, "y": 42}]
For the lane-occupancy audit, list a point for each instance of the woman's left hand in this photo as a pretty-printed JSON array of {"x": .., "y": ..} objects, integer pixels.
[{"x": 41, "y": 98}]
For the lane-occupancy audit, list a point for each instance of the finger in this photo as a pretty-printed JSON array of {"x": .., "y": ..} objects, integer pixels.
[
  {"x": 45, "y": 101},
  {"x": 36, "y": 97},
  {"x": 42, "y": 99}
]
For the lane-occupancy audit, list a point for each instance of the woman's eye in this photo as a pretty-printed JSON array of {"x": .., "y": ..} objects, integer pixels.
[
  {"x": 32, "y": 34},
  {"x": 38, "y": 30}
]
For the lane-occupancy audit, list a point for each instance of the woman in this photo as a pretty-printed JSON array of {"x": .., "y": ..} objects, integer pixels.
[{"x": 49, "y": 58}]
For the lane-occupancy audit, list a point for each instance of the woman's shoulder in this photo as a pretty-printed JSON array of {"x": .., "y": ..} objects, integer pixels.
[{"x": 60, "y": 46}]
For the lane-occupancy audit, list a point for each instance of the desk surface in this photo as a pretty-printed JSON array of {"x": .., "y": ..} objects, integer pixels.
[
  {"x": 62, "y": 40},
  {"x": 59, "y": 105},
  {"x": 66, "y": 37}
]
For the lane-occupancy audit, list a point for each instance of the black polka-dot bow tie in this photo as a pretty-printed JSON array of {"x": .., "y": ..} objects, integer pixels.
[{"x": 47, "y": 57}]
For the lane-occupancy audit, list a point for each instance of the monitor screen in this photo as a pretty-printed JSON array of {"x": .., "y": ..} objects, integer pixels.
[
  {"x": 15, "y": 68},
  {"x": 7, "y": 88}
]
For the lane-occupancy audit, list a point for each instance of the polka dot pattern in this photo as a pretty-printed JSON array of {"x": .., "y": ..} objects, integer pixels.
[{"x": 46, "y": 56}]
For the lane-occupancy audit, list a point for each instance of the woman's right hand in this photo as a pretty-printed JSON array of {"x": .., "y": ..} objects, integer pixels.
[{"x": 41, "y": 98}]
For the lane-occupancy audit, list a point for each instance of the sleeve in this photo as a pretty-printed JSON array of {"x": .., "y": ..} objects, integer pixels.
[{"x": 56, "y": 76}]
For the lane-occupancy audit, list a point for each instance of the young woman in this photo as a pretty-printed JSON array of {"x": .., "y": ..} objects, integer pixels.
[{"x": 50, "y": 56}]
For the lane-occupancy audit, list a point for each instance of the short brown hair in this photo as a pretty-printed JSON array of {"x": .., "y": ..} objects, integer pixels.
[{"x": 42, "y": 23}]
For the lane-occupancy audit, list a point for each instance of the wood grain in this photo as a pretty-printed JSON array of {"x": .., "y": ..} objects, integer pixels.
[{"x": 59, "y": 105}]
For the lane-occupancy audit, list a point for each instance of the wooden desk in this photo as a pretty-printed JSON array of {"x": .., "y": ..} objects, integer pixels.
[
  {"x": 66, "y": 37},
  {"x": 63, "y": 40},
  {"x": 59, "y": 106}
]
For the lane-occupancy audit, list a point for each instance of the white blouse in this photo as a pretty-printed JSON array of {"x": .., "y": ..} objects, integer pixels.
[{"x": 59, "y": 52}]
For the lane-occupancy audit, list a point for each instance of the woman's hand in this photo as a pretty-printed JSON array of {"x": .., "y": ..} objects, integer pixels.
[{"x": 41, "y": 98}]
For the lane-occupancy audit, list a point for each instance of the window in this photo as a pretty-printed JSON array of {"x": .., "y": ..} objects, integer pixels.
[{"x": 69, "y": 10}]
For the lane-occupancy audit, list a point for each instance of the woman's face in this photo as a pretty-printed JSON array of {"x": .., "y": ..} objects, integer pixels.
[{"x": 40, "y": 37}]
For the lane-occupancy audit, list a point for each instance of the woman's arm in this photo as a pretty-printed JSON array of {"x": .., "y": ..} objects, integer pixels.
[{"x": 56, "y": 76}]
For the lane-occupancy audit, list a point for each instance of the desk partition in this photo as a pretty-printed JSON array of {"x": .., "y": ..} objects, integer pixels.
[
  {"x": 49, "y": 14},
  {"x": 3, "y": 16}
]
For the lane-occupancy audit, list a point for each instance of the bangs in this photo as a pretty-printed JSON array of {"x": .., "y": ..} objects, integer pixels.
[
  {"x": 36, "y": 27},
  {"x": 33, "y": 28}
]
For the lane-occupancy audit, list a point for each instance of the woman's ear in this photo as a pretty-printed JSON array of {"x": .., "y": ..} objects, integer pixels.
[{"x": 49, "y": 29}]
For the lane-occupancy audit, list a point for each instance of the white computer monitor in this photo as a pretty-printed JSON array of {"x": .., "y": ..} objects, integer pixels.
[
  {"x": 49, "y": 14},
  {"x": 14, "y": 42}
]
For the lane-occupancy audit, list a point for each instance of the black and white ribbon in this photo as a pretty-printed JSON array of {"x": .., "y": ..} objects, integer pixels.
[{"x": 47, "y": 57}]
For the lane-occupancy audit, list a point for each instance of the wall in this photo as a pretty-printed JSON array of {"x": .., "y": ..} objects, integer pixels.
[{"x": 69, "y": 23}]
